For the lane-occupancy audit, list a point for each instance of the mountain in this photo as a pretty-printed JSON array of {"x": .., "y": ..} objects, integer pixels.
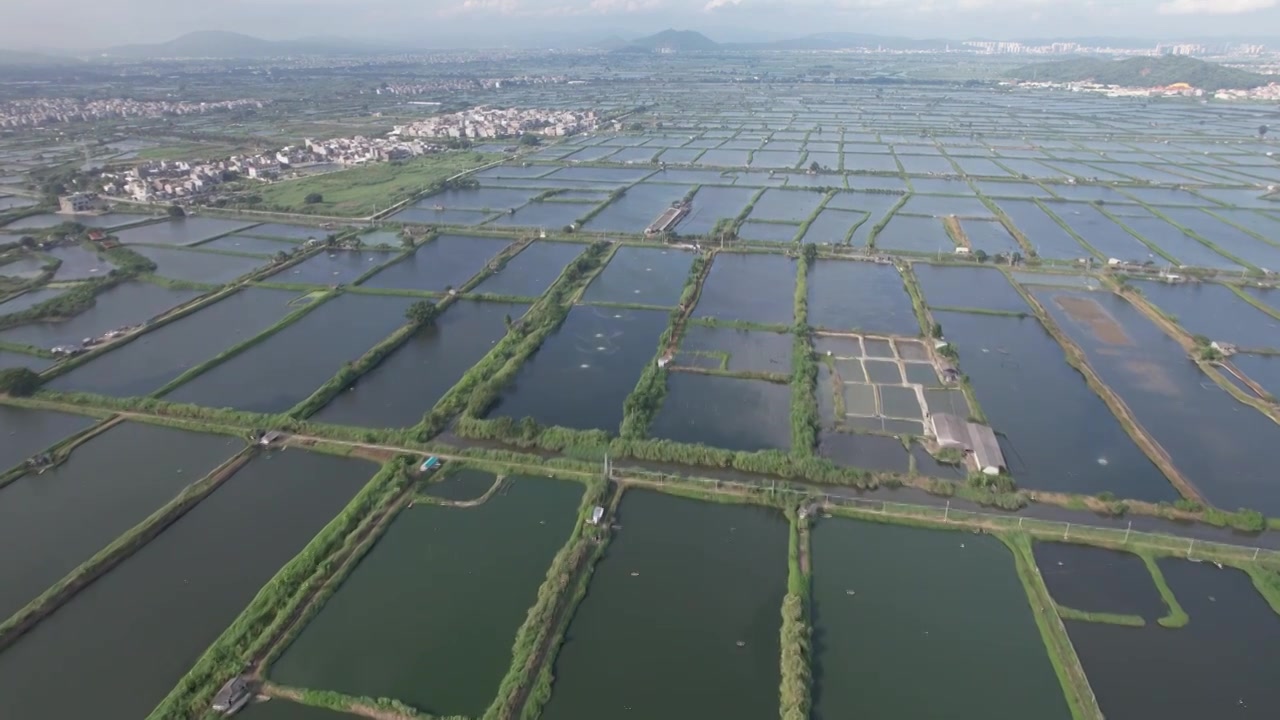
[
  {"x": 21, "y": 57},
  {"x": 1144, "y": 72},
  {"x": 669, "y": 41},
  {"x": 220, "y": 44}
]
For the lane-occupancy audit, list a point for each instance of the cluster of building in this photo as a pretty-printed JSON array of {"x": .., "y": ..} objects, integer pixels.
[
  {"x": 450, "y": 84},
  {"x": 1008, "y": 47},
  {"x": 166, "y": 180},
  {"x": 500, "y": 123},
  {"x": 38, "y": 112},
  {"x": 1266, "y": 93}
]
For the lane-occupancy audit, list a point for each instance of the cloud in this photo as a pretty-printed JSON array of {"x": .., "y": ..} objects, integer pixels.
[
  {"x": 1214, "y": 7},
  {"x": 714, "y": 5}
]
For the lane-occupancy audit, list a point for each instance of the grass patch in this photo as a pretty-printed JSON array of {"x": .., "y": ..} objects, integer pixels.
[
  {"x": 1067, "y": 613},
  {"x": 1177, "y": 617}
]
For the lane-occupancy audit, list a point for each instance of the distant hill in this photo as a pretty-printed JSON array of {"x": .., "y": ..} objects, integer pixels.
[
  {"x": 219, "y": 44},
  {"x": 678, "y": 41},
  {"x": 847, "y": 41},
  {"x": 1144, "y": 72},
  {"x": 20, "y": 57}
]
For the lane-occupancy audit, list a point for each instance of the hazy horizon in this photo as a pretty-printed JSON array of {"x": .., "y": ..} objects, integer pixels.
[{"x": 77, "y": 25}]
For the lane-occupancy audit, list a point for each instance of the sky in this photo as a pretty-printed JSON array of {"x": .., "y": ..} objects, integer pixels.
[{"x": 91, "y": 24}]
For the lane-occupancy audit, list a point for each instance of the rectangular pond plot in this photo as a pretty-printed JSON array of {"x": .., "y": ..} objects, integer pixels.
[
  {"x": 28, "y": 300},
  {"x": 833, "y": 227},
  {"x": 875, "y": 453},
  {"x": 546, "y": 215},
  {"x": 780, "y": 159},
  {"x": 745, "y": 350},
  {"x": 591, "y": 154},
  {"x": 860, "y": 399},
  {"x": 989, "y": 236},
  {"x": 78, "y": 263},
  {"x": 63, "y": 516},
  {"x": 1102, "y": 232},
  {"x": 751, "y": 287},
  {"x": 442, "y": 216},
  {"x": 281, "y": 709},
  {"x": 899, "y": 402},
  {"x": 1220, "y": 665},
  {"x": 152, "y": 360},
  {"x": 10, "y": 359},
  {"x": 968, "y": 287},
  {"x": 1094, "y": 579},
  {"x": 724, "y": 158},
  {"x": 878, "y": 348},
  {"x": 642, "y": 275},
  {"x": 943, "y": 206},
  {"x": 768, "y": 232},
  {"x": 1025, "y": 190},
  {"x": 859, "y": 296},
  {"x": 1216, "y": 312},
  {"x": 701, "y": 636},
  {"x": 1186, "y": 249},
  {"x": 139, "y": 628},
  {"x": 883, "y": 371},
  {"x": 181, "y": 231},
  {"x": 876, "y": 591},
  {"x": 1067, "y": 441},
  {"x": 636, "y": 209},
  {"x": 28, "y": 432},
  {"x": 725, "y": 412},
  {"x": 131, "y": 303},
  {"x": 483, "y": 198},
  {"x": 283, "y": 370},
  {"x": 449, "y": 261},
  {"x": 1228, "y": 237},
  {"x": 913, "y": 233},
  {"x": 199, "y": 267},
  {"x": 25, "y": 268},
  {"x": 390, "y": 631},
  {"x": 48, "y": 220},
  {"x": 712, "y": 204},
  {"x": 983, "y": 167},
  {"x": 532, "y": 271},
  {"x": 332, "y": 267},
  {"x": 1045, "y": 235},
  {"x": 582, "y": 374},
  {"x": 1262, "y": 369},
  {"x": 786, "y": 205},
  {"x": 249, "y": 244},
  {"x": 409, "y": 382},
  {"x": 286, "y": 232},
  {"x": 921, "y": 373},
  {"x": 1221, "y": 446}
]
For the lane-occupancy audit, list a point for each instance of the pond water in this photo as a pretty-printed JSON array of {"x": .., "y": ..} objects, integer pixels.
[
  {"x": 288, "y": 232},
  {"x": 9, "y": 202},
  {"x": 1172, "y": 240},
  {"x": 431, "y": 216},
  {"x": 546, "y": 215},
  {"x": 1216, "y": 312},
  {"x": 1262, "y": 369},
  {"x": 138, "y": 629},
  {"x": 248, "y": 244},
  {"x": 332, "y": 267},
  {"x": 1220, "y": 445},
  {"x": 10, "y": 359},
  {"x": 745, "y": 350},
  {"x": 409, "y": 382},
  {"x": 49, "y": 220},
  {"x": 1102, "y": 232},
  {"x": 1066, "y": 441},
  {"x": 26, "y": 267},
  {"x": 642, "y": 275},
  {"x": 78, "y": 263},
  {"x": 485, "y": 198},
  {"x": 1010, "y": 189},
  {"x": 28, "y": 300},
  {"x": 990, "y": 237},
  {"x": 968, "y": 287},
  {"x": 724, "y": 158},
  {"x": 65, "y": 515},
  {"x": 877, "y": 614},
  {"x": 281, "y": 371},
  {"x": 912, "y": 233},
  {"x": 532, "y": 271},
  {"x": 131, "y": 303},
  {"x": 461, "y": 486},
  {"x": 583, "y": 373},
  {"x": 860, "y": 296},
  {"x": 833, "y": 226},
  {"x": 726, "y": 412},
  {"x": 768, "y": 232},
  {"x": 147, "y": 363},
  {"x": 390, "y": 630},
  {"x": 181, "y": 231},
  {"x": 876, "y": 453},
  {"x": 942, "y": 206},
  {"x": 1095, "y": 579},
  {"x": 701, "y": 636},
  {"x": 786, "y": 205},
  {"x": 28, "y": 432},
  {"x": 752, "y": 287},
  {"x": 636, "y": 209},
  {"x": 1222, "y": 664},
  {"x": 1046, "y": 236},
  {"x": 447, "y": 261},
  {"x": 277, "y": 709},
  {"x": 1228, "y": 237},
  {"x": 199, "y": 267}
]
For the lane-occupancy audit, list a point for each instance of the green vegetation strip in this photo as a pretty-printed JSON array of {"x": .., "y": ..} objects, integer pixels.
[
  {"x": 805, "y": 420},
  {"x": 981, "y": 311},
  {"x": 281, "y": 597},
  {"x": 340, "y": 702},
  {"x": 1067, "y": 613},
  {"x": 1177, "y": 617},
  {"x": 1075, "y": 686},
  {"x": 120, "y": 549},
  {"x": 795, "y": 689}
]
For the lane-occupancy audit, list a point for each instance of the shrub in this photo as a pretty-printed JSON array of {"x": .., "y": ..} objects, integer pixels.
[
  {"x": 313, "y": 198},
  {"x": 19, "y": 382}
]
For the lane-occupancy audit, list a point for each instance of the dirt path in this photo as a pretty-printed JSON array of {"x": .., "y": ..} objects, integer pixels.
[{"x": 287, "y": 693}]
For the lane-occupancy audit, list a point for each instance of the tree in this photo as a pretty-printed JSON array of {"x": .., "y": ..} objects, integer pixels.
[
  {"x": 406, "y": 240},
  {"x": 313, "y": 198},
  {"x": 27, "y": 242},
  {"x": 19, "y": 382},
  {"x": 814, "y": 166},
  {"x": 421, "y": 313},
  {"x": 1262, "y": 131},
  {"x": 980, "y": 256},
  {"x": 529, "y": 140},
  {"x": 176, "y": 211},
  {"x": 936, "y": 330},
  {"x": 810, "y": 254}
]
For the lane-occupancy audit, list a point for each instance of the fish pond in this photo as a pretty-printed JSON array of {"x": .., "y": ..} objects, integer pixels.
[
  {"x": 859, "y": 296},
  {"x": 531, "y": 272},
  {"x": 968, "y": 287},
  {"x": 27, "y": 432},
  {"x": 332, "y": 267},
  {"x": 643, "y": 276},
  {"x": 199, "y": 267},
  {"x": 700, "y": 635},
  {"x": 449, "y": 261},
  {"x": 131, "y": 303},
  {"x": 181, "y": 231},
  {"x": 429, "y": 615},
  {"x": 750, "y": 287},
  {"x": 726, "y": 412},
  {"x": 1099, "y": 580}
]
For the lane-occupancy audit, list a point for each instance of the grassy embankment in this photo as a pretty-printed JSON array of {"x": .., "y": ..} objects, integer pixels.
[
  {"x": 884, "y": 221},
  {"x": 805, "y": 422},
  {"x": 119, "y": 549},
  {"x": 281, "y": 598},
  {"x": 795, "y": 689},
  {"x": 364, "y": 190}
]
